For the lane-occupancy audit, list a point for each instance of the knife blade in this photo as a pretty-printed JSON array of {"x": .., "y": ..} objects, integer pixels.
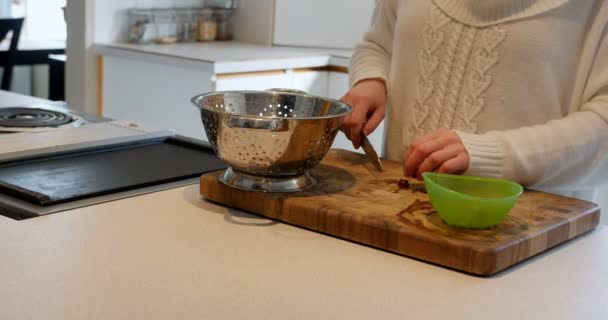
[{"x": 371, "y": 154}]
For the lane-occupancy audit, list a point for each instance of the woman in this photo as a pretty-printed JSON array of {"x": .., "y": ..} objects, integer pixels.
[{"x": 516, "y": 89}]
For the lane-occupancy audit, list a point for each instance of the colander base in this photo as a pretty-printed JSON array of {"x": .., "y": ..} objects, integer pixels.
[{"x": 250, "y": 182}]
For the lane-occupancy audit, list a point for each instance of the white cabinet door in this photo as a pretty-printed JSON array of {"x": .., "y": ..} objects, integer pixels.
[
  {"x": 321, "y": 23},
  {"x": 134, "y": 91},
  {"x": 310, "y": 81},
  {"x": 338, "y": 85},
  {"x": 261, "y": 81}
]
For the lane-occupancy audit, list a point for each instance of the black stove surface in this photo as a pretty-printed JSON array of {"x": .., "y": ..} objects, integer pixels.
[
  {"x": 48, "y": 184},
  {"x": 32, "y": 117}
]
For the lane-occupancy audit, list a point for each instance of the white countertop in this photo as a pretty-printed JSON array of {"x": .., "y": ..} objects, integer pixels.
[
  {"x": 171, "y": 255},
  {"x": 229, "y": 56}
]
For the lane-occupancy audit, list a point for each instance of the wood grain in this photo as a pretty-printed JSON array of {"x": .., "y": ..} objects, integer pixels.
[{"x": 354, "y": 202}]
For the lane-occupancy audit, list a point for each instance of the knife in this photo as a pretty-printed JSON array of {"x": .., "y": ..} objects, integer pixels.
[{"x": 371, "y": 154}]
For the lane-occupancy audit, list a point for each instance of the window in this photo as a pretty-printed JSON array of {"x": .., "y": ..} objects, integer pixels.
[{"x": 43, "y": 18}]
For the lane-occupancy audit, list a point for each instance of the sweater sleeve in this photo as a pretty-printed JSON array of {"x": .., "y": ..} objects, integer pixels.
[
  {"x": 372, "y": 56},
  {"x": 567, "y": 153}
]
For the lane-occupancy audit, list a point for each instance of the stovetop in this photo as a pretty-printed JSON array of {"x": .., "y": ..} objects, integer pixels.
[
  {"x": 38, "y": 117},
  {"x": 66, "y": 164}
]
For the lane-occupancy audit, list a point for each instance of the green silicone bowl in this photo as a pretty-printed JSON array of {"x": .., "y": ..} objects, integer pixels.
[{"x": 471, "y": 202}]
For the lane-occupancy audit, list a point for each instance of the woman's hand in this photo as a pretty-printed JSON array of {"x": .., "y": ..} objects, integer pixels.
[
  {"x": 368, "y": 99},
  {"x": 441, "y": 151}
]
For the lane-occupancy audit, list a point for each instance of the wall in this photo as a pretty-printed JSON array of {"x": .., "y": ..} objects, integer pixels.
[
  {"x": 44, "y": 20},
  {"x": 254, "y": 21},
  {"x": 321, "y": 23},
  {"x": 81, "y": 69}
]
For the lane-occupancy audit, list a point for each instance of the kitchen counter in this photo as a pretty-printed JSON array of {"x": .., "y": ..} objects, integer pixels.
[
  {"x": 221, "y": 57},
  {"x": 170, "y": 254}
]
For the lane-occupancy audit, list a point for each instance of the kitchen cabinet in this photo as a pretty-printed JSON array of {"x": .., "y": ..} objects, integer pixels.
[
  {"x": 152, "y": 85},
  {"x": 156, "y": 96},
  {"x": 309, "y": 80},
  {"x": 134, "y": 91},
  {"x": 251, "y": 81}
]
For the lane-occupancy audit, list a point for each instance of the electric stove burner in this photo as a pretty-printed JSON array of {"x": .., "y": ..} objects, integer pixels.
[
  {"x": 32, "y": 118},
  {"x": 25, "y": 119}
]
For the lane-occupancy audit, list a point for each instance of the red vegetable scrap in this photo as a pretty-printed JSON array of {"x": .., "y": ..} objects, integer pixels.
[{"x": 403, "y": 184}]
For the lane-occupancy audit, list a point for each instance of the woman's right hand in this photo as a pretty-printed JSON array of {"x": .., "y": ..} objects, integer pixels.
[{"x": 368, "y": 100}]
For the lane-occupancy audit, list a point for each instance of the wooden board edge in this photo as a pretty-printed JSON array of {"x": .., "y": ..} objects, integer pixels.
[
  {"x": 484, "y": 262},
  {"x": 531, "y": 247}
]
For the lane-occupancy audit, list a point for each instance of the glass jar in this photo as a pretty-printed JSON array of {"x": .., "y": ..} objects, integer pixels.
[
  {"x": 207, "y": 26},
  {"x": 186, "y": 24},
  {"x": 166, "y": 26},
  {"x": 141, "y": 25},
  {"x": 224, "y": 24}
]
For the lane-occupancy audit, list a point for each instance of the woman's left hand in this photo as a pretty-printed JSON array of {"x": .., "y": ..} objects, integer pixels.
[{"x": 440, "y": 151}]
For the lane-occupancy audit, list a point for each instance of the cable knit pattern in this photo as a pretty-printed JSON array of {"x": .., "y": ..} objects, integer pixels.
[
  {"x": 454, "y": 66},
  {"x": 460, "y": 62},
  {"x": 428, "y": 63},
  {"x": 478, "y": 81}
]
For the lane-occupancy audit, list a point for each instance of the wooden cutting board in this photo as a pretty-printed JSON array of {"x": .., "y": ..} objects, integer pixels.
[{"x": 354, "y": 202}]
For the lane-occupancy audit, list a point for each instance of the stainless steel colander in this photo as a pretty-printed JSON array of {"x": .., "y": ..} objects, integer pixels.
[{"x": 270, "y": 138}]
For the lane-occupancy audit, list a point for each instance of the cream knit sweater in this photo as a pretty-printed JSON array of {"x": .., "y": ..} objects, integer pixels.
[{"x": 523, "y": 82}]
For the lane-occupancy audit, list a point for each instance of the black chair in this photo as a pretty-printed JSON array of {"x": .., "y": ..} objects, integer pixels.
[{"x": 6, "y": 25}]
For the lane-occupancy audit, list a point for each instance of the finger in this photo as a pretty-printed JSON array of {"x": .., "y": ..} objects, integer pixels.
[
  {"x": 347, "y": 122},
  {"x": 358, "y": 117},
  {"x": 373, "y": 121},
  {"x": 457, "y": 165},
  {"x": 355, "y": 134},
  {"x": 420, "y": 151},
  {"x": 420, "y": 140},
  {"x": 345, "y": 128},
  {"x": 437, "y": 158}
]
